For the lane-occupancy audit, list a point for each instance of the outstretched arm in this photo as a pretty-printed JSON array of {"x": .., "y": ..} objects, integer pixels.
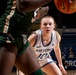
[{"x": 30, "y": 5}]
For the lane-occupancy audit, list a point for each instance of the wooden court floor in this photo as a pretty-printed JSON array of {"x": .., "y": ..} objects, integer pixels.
[{"x": 69, "y": 72}]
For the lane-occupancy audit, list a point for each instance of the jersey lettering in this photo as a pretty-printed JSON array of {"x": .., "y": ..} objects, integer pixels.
[{"x": 43, "y": 56}]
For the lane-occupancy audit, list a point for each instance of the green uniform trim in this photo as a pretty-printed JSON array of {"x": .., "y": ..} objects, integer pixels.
[
  {"x": 5, "y": 18},
  {"x": 38, "y": 72}
]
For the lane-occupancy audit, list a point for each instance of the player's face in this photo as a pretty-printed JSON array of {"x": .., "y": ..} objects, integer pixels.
[{"x": 47, "y": 25}]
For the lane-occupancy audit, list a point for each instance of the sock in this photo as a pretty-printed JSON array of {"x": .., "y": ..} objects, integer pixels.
[{"x": 38, "y": 72}]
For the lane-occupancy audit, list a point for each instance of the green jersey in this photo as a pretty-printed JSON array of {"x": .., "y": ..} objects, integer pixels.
[
  {"x": 12, "y": 21},
  {"x": 14, "y": 25}
]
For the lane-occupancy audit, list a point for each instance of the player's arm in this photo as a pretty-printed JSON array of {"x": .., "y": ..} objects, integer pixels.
[
  {"x": 57, "y": 48},
  {"x": 32, "y": 39},
  {"x": 30, "y": 5},
  {"x": 58, "y": 53}
]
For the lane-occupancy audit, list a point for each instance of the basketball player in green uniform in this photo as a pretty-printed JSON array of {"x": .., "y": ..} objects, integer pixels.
[{"x": 14, "y": 47}]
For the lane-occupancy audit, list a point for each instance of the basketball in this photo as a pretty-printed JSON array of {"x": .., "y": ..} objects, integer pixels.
[{"x": 66, "y": 6}]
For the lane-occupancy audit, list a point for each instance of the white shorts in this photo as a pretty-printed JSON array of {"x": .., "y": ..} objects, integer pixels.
[{"x": 45, "y": 62}]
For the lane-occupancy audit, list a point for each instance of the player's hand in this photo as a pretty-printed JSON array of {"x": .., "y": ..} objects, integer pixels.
[
  {"x": 62, "y": 69},
  {"x": 40, "y": 12}
]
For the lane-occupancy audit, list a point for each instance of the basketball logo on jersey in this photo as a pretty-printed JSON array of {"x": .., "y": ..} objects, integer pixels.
[{"x": 52, "y": 44}]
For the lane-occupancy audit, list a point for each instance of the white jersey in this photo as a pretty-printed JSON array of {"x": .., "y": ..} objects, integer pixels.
[{"x": 43, "y": 51}]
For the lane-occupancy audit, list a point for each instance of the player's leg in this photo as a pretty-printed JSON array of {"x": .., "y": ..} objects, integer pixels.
[
  {"x": 7, "y": 58},
  {"x": 28, "y": 63},
  {"x": 52, "y": 69}
]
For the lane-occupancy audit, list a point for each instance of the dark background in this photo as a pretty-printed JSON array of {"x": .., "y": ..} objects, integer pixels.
[{"x": 62, "y": 20}]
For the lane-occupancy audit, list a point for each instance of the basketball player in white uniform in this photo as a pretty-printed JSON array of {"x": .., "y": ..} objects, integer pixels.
[
  {"x": 43, "y": 42},
  {"x": 42, "y": 49}
]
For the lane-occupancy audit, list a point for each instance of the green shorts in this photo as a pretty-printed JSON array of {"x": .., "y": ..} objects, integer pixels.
[{"x": 20, "y": 41}]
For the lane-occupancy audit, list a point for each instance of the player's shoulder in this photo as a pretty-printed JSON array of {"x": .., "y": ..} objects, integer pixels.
[
  {"x": 38, "y": 31},
  {"x": 33, "y": 37},
  {"x": 58, "y": 35},
  {"x": 34, "y": 34}
]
